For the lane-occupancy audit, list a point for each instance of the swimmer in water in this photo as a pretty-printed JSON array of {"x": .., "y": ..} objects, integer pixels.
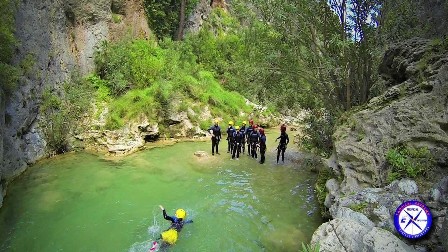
[{"x": 169, "y": 236}]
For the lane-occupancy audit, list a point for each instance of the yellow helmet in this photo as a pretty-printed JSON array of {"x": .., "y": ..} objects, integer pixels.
[
  {"x": 169, "y": 236},
  {"x": 180, "y": 213},
  {"x": 244, "y": 122},
  {"x": 237, "y": 127},
  {"x": 216, "y": 121},
  {"x": 231, "y": 123}
]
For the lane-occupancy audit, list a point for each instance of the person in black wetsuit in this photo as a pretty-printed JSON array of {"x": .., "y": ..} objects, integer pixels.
[
  {"x": 262, "y": 145},
  {"x": 178, "y": 220},
  {"x": 284, "y": 140},
  {"x": 169, "y": 236},
  {"x": 248, "y": 133},
  {"x": 243, "y": 140},
  {"x": 237, "y": 142},
  {"x": 230, "y": 131},
  {"x": 215, "y": 130},
  {"x": 254, "y": 138}
]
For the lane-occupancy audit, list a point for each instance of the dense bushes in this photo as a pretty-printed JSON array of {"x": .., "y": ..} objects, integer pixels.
[
  {"x": 143, "y": 78},
  {"x": 164, "y": 15},
  {"x": 62, "y": 112},
  {"x": 408, "y": 162},
  {"x": 318, "y": 130}
]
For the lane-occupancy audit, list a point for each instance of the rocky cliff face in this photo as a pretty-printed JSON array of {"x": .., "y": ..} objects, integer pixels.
[
  {"x": 201, "y": 13},
  {"x": 56, "y": 40},
  {"x": 413, "y": 110},
  {"x": 2, "y": 132}
]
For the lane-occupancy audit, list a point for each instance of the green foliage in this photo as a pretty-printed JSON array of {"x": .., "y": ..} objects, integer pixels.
[
  {"x": 163, "y": 15},
  {"x": 410, "y": 162},
  {"x": 101, "y": 86},
  {"x": 27, "y": 64},
  {"x": 55, "y": 126},
  {"x": 9, "y": 74},
  {"x": 405, "y": 19},
  {"x": 129, "y": 64},
  {"x": 117, "y": 18},
  {"x": 318, "y": 132},
  {"x": 62, "y": 112},
  {"x": 158, "y": 81},
  {"x": 9, "y": 77},
  {"x": 321, "y": 191},
  {"x": 359, "y": 207},
  {"x": 310, "y": 248}
]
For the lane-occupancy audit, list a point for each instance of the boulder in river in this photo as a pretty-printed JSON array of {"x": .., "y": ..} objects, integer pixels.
[{"x": 201, "y": 154}]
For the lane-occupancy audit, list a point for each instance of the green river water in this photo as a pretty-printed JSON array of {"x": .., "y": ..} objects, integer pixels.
[{"x": 82, "y": 202}]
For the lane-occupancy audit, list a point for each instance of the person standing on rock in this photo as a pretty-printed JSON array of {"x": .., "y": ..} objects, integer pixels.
[
  {"x": 230, "y": 131},
  {"x": 215, "y": 130},
  {"x": 284, "y": 140},
  {"x": 262, "y": 145}
]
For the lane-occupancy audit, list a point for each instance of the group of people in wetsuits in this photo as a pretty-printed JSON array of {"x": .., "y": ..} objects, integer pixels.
[
  {"x": 252, "y": 135},
  {"x": 237, "y": 137}
]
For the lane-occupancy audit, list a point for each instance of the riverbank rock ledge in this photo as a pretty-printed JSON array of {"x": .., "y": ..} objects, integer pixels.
[
  {"x": 347, "y": 235},
  {"x": 119, "y": 142},
  {"x": 411, "y": 108}
]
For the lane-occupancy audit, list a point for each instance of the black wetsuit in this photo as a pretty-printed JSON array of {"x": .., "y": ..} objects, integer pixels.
[
  {"x": 237, "y": 141},
  {"x": 243, "y": 142},
  {"x": 176, "y": 223},
  {"x": 248, "y": 133},
  {"x": 254, "y": 137},
  {"x": 230, "y": 131},
  {"x": 262, "y": 148},
  {"x": 284, "y": 140},
  {"x": 215, "y": 138}
]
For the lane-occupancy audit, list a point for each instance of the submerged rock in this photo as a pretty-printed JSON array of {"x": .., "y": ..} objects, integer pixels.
[{"x": 201, "y": 154}]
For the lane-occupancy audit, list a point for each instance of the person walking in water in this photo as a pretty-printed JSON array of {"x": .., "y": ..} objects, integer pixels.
[
  {"x": 262, "y": 144},
  {"x": 284, "y": 140},
  {"x": 254, "y": 138},
  {"x": 243, "y": 133},
  {"x": 248, "y": 133},
  {"x": 215, "y": 130},
  {"x": 169, "y": 236},
  {"x": 230, "y": 131},
  {"x": 237, "y": 141}
]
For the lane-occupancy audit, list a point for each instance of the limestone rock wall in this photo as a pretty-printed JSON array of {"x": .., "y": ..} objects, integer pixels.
[
  {"x": 412, "y": 110},
  {"x": 56, "y": 40},
  {"x": 201, "y": 13}
]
